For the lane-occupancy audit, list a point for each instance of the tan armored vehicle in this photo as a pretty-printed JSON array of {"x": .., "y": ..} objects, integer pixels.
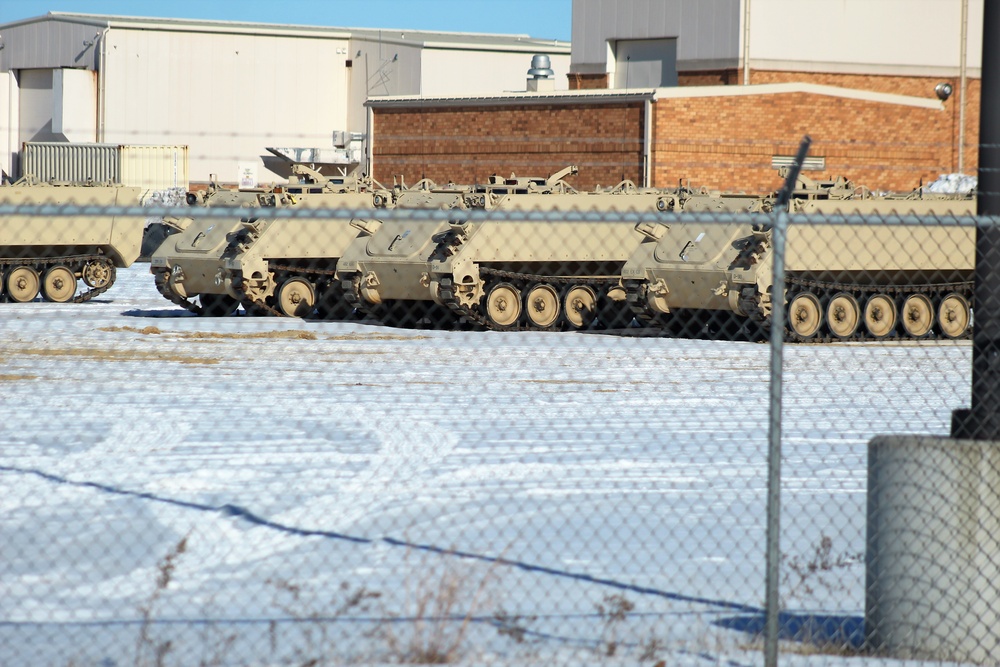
[
  {"x": 158, "y": 230},
  {"x": 844, "y": 282},
  {"x": 541, "y": 272},
  {"x": 269, "y": 264},
  {"x": 51, "y": 254}
]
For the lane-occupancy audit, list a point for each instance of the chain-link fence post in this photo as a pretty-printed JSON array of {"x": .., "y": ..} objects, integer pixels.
[{"x": 777, "y": 340}]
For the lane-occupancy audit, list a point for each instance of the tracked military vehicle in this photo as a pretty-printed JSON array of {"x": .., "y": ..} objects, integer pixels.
[
  {"x": 268, "y": 264},
  {"x": 158, "y": 230},
  {"x": 51, "y": 255},
  {"x": 520, "y": 271},
  {"x": 857, "y": 282}
]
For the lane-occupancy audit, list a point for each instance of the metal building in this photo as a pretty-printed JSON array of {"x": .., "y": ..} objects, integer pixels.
[
  {"x": 231, "y": 91},
  {"x": 652, "y": 43},
  {"x": 918, "y": 48}
]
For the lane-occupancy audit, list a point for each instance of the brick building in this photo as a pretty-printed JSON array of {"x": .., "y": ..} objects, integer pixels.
[
  {"x": 727, "y": 137},
  {"x": 719, "y": 92}
]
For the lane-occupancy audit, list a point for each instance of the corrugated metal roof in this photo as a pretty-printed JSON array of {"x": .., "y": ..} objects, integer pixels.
[{"x": 455, "y": 40}]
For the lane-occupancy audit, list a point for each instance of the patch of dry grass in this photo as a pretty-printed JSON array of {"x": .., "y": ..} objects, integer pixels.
[
  {"x": 213, "y": 335},
  {"x": 375, "y": 336},
  {"x": 102, "y": 354},
  {"x": 439, "y": 606},
  {"x": 292, "y": 333},
  {"x": 13, "y": 377}
]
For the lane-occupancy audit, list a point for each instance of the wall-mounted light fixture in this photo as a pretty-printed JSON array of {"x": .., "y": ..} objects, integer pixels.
[{"x": 943, "y": 90}]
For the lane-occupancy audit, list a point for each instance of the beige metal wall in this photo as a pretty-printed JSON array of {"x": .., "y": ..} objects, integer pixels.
[
  {"x": 894, "y": 37},
  {"x": 916, "y": 37},
  {"x": 231, "y": 90},
  {"x": 463, "y": 72},
  {"x": 155, "y": 167},
  {"x": 229, "y": 96},
  {"x": 9, "y": 124}
]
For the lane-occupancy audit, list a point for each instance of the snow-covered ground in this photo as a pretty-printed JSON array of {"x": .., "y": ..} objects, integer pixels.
[{"x": 269, "y": 491}]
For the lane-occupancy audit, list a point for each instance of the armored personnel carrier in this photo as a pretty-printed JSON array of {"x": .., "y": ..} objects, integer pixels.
[
  {"x": 268, "y": 264},
  {"x": 52, "y": 254},
  {"x": 520, "y": 271},
  {"x": 844, "y": 282},
  {"x": 158, "y": 230}
]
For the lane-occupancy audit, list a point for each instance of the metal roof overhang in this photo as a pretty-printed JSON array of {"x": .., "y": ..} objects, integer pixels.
[{"x": 513, "y": 99}]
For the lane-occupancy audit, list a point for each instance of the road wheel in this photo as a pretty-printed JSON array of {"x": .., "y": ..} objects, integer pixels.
[
  {"x": 58, "y": 284},
  {"x": 503, "y": 305},
  {"x": 917, "y": 315},
  {"x": 580, "y": 306},
  {"x": 843, "y": 315},
  {"x": 22, "y": 284},
  {"x": 954, "y": 316},
  {"x": 880, "y": 315},
  {"x": 805, "y": 315},
  {"x": 541, "y": 304},
  {"x": 296, "y": 298}
]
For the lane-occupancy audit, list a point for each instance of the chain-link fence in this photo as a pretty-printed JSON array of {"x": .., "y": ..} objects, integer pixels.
[{"x": 424, "y": 426}]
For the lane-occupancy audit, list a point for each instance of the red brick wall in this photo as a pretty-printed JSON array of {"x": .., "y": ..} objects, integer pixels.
[
  {"x": 720, "y": 77},
  {"x": 467, "y": 144},
  {"x": 587, "y": 81},
  {"x": 718, "y": 142},
  {"x": 914, "y": 86},
  {"x": 728, "y": 142},
  {"x": 905, "y": 85}
]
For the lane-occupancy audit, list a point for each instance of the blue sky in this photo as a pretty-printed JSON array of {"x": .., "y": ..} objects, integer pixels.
[{"x": 546, "y": 19}]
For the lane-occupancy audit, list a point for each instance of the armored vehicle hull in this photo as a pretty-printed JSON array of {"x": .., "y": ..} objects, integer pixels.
[
  {"x": 280, "y": 266},
  {"x": 515, "y": 272},
  {"x": 843, "y": 282},
  {"x": 51, "y": 255}
]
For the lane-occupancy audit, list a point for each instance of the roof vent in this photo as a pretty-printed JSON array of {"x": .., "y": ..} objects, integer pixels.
[
  {"x": 540, "y": 75},
  {"x": 541, "y": 67}
]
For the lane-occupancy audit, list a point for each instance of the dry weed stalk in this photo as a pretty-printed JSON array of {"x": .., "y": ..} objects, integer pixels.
[
  {"x": 145, "y": 644},
  {"x": 434, "y": 604}
]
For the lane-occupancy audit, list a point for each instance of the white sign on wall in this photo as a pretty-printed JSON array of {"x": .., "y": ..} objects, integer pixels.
[{"x": 247, "y": 175}]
